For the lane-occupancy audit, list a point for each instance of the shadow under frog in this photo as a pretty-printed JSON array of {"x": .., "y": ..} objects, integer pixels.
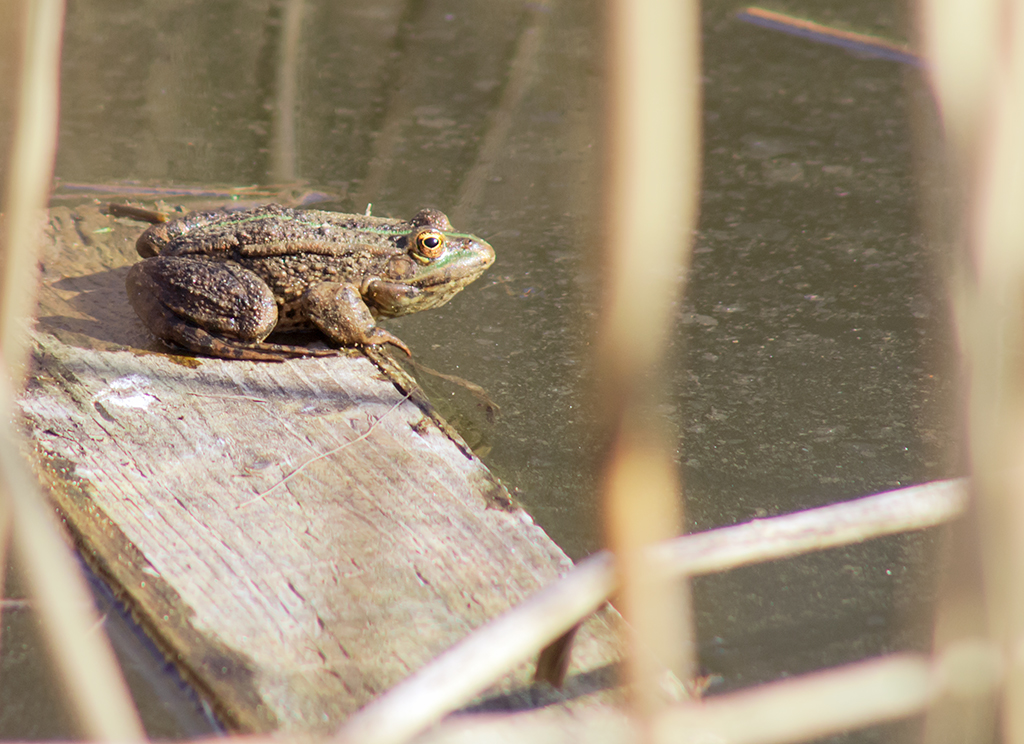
[
  {"x": 218, "y": 283},
  {"x": 92, "y": 313}
]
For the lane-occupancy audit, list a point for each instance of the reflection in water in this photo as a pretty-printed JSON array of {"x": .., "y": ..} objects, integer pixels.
[
  {"x": 283, "y": 169},
  {"x": 811, "y": 359}
]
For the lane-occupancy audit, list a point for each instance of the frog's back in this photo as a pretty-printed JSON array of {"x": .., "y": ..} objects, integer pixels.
[{"x": 274, "y": 231}]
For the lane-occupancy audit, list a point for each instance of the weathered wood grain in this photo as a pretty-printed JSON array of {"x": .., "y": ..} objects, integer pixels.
[{"x": 297, "y": 537}]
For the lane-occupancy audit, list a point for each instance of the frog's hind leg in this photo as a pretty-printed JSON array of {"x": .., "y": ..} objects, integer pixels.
[
  {"x": 199, "y": 341},
  {"x": 212, "y": 308}
]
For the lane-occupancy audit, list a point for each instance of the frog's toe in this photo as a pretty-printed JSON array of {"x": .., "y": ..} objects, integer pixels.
[
  {"x": 200, "y": 341},
  {"x": 380, "y": 336},
  {"x": 288, "y": 351}
]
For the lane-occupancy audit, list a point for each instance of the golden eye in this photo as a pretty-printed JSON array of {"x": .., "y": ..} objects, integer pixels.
[{"x": 429, "y": 243}]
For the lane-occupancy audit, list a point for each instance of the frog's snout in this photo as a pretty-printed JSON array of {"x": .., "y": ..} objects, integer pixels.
[{"x": 485, "y": 254}]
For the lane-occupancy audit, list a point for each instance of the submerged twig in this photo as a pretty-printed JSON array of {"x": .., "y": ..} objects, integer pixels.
[
  {"x": 472, "y": 388},
  {"x": 862, "y": 44},
  {"x": 152, "y": 216}
]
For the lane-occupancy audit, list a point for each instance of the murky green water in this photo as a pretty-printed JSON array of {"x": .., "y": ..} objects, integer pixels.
[{"x": 812, "y": 362}]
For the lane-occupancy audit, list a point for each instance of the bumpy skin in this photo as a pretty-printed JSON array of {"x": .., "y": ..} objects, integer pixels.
[{"x": 218, "y": 283}]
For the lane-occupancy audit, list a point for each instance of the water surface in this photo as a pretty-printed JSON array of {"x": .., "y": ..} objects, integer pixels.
[{"x": 812, "y": 360}]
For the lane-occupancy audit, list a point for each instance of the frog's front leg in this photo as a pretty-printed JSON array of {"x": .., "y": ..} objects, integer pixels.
[
  {"x": 338, "y": 310},
  {"x": 215, "y": 308}
]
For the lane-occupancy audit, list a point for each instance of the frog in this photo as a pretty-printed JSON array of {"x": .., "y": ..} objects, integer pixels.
[{"x": 217, "y": 283}]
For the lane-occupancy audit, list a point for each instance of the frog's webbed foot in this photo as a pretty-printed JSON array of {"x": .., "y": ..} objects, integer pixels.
[
  {"x": 203, "y": 342},
  {"x": 380, "y": 336},
  {"x": 338, "y": 310}
]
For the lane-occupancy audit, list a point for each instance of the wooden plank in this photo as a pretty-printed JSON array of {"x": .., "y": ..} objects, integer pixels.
[{"x": 297, "y": 537}]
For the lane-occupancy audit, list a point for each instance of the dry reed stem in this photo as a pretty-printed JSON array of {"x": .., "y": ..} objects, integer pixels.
[
  {"x": 651, "y": 196},
  {"x": 962, "y": 43},
  {"x": 807, "y": 707},
  {"x": 642, "y": 507},
  {"x": 796, "y": 709},
  {"x": 86, "y": 663},
  {"x": 30, "y": 171},
  {"x": 5, "y": 536},
  {"x": 846, "y": 523},
  {"x": 976, "y": 55},
  {"x": 652, "y": 181},
  {"x": 960, "y": 40},
  {"x": 471, "y": 666}
]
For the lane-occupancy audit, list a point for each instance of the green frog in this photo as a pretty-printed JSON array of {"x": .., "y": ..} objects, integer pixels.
[{"x": 218, "y": 283}]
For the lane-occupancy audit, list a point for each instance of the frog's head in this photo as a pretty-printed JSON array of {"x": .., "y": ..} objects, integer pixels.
[{"x": 437, "y": 264}]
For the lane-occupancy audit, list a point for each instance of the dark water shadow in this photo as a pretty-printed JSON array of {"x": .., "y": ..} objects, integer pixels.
[{"x": 541, "y": 695}]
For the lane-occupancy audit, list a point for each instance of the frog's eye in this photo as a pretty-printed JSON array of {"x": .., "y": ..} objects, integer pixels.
[{"x": 429, "y": 243}]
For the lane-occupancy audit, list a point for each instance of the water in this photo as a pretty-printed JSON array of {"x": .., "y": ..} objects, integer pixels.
[{"x": 812, "y": 362}]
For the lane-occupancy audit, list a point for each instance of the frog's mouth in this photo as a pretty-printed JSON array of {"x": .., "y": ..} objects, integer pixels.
[
  {"x": 437, "y": 283},
  {"x": 456, "y": 274}
]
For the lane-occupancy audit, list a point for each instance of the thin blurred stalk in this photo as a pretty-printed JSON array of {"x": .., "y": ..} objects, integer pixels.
[
  {"x": 84, "y": 658},
  {"x": 997, "y": 350},
  {"x": 30, "y": 171},
  {"x": 846, "y": 523},
  {"x": 5, "y": 542},
  {"x": 651, "y": 195},
  {"x": 961, "y": 45},
  {"x": 975, "y": 51},
  {"x": 641, "y": 508}
]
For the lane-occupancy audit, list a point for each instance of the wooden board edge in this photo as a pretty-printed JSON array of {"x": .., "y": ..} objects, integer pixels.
[
  {"x": 493, "y": 490},
  {"x": 153, "y": 604}
]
